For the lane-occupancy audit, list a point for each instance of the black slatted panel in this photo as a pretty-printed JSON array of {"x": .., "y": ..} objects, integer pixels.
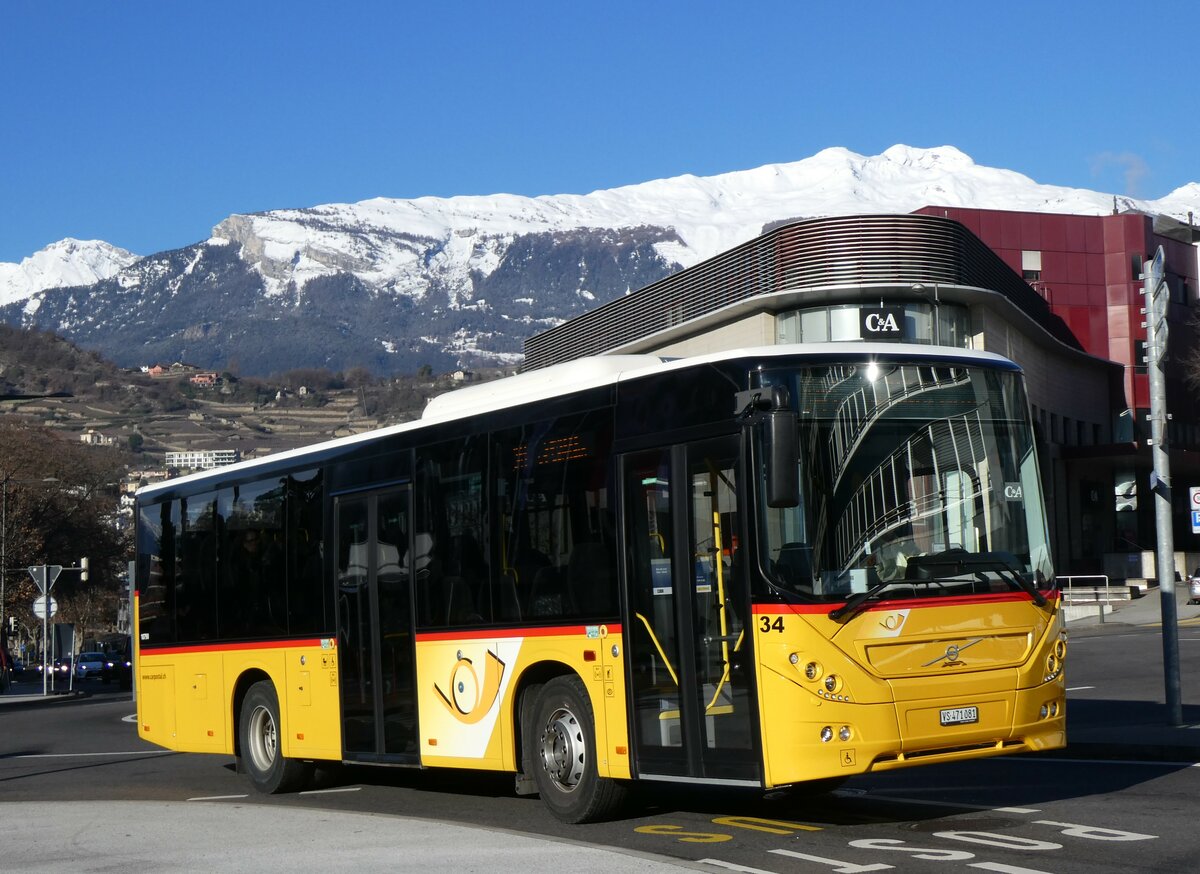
[{"x": 846, "y": 250}]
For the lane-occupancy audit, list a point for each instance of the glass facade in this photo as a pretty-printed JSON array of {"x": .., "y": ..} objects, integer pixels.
[{"x": 940, "y": 325}]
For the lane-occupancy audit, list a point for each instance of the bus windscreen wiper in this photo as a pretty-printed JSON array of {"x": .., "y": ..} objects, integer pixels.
[
  {"x": 1008, "y": 572},
  {"x": 958, "y": 561},
  {"x": 854, "y": 602},
  {"x": 945, "y": 567}
]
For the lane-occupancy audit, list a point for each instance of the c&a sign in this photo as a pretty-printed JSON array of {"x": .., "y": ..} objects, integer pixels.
[{"x": 881, "y": 323}]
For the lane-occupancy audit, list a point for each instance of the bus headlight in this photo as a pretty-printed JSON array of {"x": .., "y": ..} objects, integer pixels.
[
  {"x": 844, "y": 733},
  {"x": 833, "y": 683},
  {"x": 812, "y": 670},
  {"x": 1060, "y": 648},
  {"x": 826, "y": 734},
  {"x": 1053, "y": 667}
]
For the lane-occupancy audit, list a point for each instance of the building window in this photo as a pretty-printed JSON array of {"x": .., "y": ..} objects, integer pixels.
[
  {"x": 843, "y": 322},
  {"x": 1031, "y": 266},
  {"x": 1135, "y": 262}
]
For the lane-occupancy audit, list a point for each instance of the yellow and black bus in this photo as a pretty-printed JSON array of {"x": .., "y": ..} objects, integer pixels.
[{"x": 756, "y": 568}]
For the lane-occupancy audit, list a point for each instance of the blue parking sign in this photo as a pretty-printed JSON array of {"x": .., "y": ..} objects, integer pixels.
[{"x": 1196, "y": 521}]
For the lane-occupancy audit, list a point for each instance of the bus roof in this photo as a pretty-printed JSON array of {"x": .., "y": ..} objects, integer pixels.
[{"x": 580, "y": 375}]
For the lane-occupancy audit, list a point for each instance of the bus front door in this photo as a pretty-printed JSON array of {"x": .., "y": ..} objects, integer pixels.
[
  {"x": 375, "y": 639},
  {"x": 691, "y": 672}
]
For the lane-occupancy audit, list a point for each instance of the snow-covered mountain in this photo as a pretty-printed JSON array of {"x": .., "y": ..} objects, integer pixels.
[
  {"x": 391, "y": 284},
  {"x": 67, "y": 262}
]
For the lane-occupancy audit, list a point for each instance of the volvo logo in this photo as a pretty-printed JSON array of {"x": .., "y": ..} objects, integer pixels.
[{"x": 950, "y": 657}]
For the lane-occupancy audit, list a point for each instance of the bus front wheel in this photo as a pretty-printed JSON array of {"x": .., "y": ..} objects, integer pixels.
[
  {"x": 562, "y": 737},
  {"x": 259, "y": 742}
]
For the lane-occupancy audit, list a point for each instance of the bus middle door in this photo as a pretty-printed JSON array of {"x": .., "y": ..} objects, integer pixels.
[{"x": 691, "y": 690}]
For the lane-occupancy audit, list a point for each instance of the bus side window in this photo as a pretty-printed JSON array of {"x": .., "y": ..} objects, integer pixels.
[
  {"x": 450, "y": 494},
  {"x": 555, "y": 531}
]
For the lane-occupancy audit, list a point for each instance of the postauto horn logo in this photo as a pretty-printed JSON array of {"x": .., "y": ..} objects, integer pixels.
[{"x": 470, "y": 696}]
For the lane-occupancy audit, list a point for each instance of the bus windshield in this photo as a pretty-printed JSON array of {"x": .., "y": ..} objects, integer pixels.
[{"x": 916, "y": 480}]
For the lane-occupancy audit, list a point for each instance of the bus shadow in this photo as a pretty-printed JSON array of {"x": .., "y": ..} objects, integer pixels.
[{"x": 1112, "y": 746}]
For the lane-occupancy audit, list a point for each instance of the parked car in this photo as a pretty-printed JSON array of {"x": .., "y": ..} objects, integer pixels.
[{"x": 89, "y": 664}]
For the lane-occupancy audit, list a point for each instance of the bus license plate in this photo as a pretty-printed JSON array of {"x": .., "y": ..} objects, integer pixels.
[{"x": 960, "y": 715}]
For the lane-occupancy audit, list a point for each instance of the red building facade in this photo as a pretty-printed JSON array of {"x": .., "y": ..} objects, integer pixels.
[{"x": 1089, "y": 269}]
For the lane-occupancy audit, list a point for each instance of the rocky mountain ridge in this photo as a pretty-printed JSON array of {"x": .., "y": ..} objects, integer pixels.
[{"x": 392, "y": 285}]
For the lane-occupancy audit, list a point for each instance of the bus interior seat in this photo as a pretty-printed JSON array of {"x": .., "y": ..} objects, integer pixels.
[
  {"x": 460, "y": 602},
  {"x": 590, "y": 577},
  {"x": 794, "y": 565},
  {"x": 548, "y": 595},
  {"x": 508, "y": 606},
  {"x": 423, "y": 552},
  {"x": 388, "y": 559}
]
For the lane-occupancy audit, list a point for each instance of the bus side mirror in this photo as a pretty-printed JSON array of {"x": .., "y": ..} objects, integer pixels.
[{"x": 782, "y": 456}]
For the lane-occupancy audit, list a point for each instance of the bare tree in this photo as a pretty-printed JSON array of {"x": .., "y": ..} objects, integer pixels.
[{"x": 60, "y": 505}]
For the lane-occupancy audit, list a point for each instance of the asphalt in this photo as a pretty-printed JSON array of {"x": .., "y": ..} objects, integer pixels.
[
  {"x": 1135, "y": 730},
  {"x": 177, "y": 836}
]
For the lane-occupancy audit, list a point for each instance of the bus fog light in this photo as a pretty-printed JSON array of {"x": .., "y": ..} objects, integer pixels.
[
  {"x": 1054, "y": 708},
  {"x": 826, "y": 734},
  {"x": 812, "y": 670},
  {"x": 1044, "y": 712},
  {"x": 844, "y": 733}
]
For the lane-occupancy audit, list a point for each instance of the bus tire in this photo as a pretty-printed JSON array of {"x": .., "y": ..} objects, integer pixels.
[
  {"x": 259, "y": 744},
  {"x": 562, "y": 741}
]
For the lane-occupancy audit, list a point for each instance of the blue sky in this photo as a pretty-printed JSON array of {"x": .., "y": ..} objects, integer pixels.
[{"x": 146, "y": 123}]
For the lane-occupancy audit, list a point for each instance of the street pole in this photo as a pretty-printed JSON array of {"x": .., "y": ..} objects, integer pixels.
[
  {"x": 3, "y": 544},
  {"x": 1157, "y": 298},
  {"x": 47, "y": 662}
]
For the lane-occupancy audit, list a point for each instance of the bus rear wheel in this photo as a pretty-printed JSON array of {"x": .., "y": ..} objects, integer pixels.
[
  {"x": 562, "y": 737},
  {"x": 259, "y": 744}
]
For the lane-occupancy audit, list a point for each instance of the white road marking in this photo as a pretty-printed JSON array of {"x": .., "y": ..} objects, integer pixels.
[
  {"x": 217, "y": 797},
  {"x": 327, "y": 791},
  {"x": 1079, "y": 688},
  {"x": 730, "y": 866},
  {"x": 132, "y": 717}
]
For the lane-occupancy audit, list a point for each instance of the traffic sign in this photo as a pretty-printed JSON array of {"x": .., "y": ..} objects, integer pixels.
[
  {"x": 1196, "y": 521},
  {"x": 39, "y": 607},
  {"x": 44, "y": 575},
  {"x": 1194, "y": 497}
]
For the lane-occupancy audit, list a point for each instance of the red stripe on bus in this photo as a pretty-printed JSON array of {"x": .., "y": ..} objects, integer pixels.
[
  {"x": 898, "y": 603},
  {"x": 488, "y": 633},
  {"x": 225, "y": 646}
]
